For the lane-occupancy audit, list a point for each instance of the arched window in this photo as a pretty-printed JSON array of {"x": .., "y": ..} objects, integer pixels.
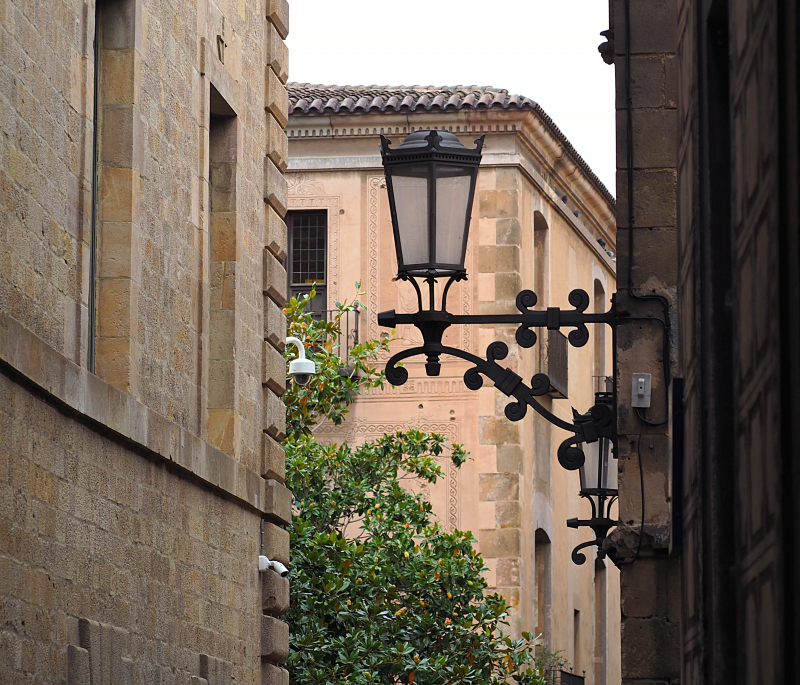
[
  {"x": 543, "y": 587},
  {"x": 600, "y": 623},
  {"x": 540, "y": 258}
]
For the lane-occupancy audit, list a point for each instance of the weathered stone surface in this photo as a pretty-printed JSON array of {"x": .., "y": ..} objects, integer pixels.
[
  {"x": 119, "y": 252},
  {"x": 275, "y": 238},
  {"x": 278, "y": 502},
  {"x": 275, "y": 543},
  {"x": 499, "y": 486},
  {"x": 509, "y": 458},
  {"x": 274, "y": 593},
  {"x": 508, "y": 515},
  {"x": 495, "y": 543},
  {"x": 108, "y": 479},
  {"x": 274, "y": 279},
  {"x": 498, "y": 204},
  {"x": 507, "y": 572},
  {"x": 274, "y": 369},
  {"x": 500, "y": 258},
  {"x": 508, "y": 231},
  {"x": 273, "y": 463},
  {"x": 274, "y": 675},
  {"x": 278, "y": 14},
  {"x": 78, "y": 670},
  {"x": 277, "y": 53},
  {"x": 507, "y": 285},
  {"x": 659, "y": 128},
  {"x": 649, "y": 87},
  {"x": 96, "y": 400},
  {"x": 276, "y": 192},
  {"x": 650, "y": 649},
  {"x": 655, "y": 199},
  {"x": 277, "y": 143},
  {"x": 652, "y": 589},
  {"x": 274, "y": 415},
  {"x": 497, "y": 430},
  {"x": 277, "y": 99},
  {"x": 215, "y": 671},
  {"x": 655, "y": 27},
  {"x": 274, "y": 324},
  {"x": 649, "y": 267},
  {"x": 274, "y": 639}
]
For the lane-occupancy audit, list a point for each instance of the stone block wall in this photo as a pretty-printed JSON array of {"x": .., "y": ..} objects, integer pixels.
[
  {"x": 45, "y": 152},
  {"x": 646, "y": 288},
  {"x": 142, "y": 250},
  {"x": 501, "y": 484},
  {"x": 93, "y": 531},
  {"x": 738, "y": 220}
]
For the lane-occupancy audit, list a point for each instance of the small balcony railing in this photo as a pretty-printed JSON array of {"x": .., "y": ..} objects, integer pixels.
[
  {"x": 555, "y": 358},
  {"x": 559, "y": 677},
  {"x": 349, "y": 335}
]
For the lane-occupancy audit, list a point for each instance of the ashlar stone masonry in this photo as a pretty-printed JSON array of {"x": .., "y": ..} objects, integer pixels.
[{"x": 142, "y": 250}]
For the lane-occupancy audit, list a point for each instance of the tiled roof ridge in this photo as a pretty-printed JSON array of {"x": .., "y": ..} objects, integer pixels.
[{"x": 317, "y": 98}]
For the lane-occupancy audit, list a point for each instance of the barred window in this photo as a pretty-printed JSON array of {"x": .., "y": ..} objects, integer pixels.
[{"x": 308, "y": 255}]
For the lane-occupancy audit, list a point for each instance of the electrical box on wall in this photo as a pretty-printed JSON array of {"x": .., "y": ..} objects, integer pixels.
[{"x": 640, "y": 390}]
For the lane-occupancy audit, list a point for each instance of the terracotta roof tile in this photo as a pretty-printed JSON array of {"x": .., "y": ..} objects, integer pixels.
[
  {"x": 316, "y": 99},
  {"x": 303, "y": 97}
]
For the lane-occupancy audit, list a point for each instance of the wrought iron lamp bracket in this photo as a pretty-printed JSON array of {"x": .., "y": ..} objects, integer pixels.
[
  {"x": 432, "y": 324},
  {"x": 600, "y": 523}
]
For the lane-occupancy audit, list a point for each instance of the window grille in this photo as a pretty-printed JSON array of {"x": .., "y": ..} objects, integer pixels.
[{"x": 308, "y": 256}]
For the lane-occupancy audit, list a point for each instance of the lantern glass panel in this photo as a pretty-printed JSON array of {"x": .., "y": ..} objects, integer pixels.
[
  {"x": 611, "y": 465},
  {"x": 590, "y": 469},
  {"x": 410, "y": 186},
  {"x": 452, "y": 200},
  {"x": 599, "y": 470}
]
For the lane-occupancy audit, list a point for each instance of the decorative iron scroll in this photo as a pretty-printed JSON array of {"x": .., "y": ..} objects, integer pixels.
[
  {"x": 570, "y": 456},
  {"x": 598, "y": 423}
]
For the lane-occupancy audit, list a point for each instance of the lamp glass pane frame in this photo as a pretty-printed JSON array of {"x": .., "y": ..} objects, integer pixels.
[
  {"x": 600, "y": 459},
  {"x": 432, "y": 265}
]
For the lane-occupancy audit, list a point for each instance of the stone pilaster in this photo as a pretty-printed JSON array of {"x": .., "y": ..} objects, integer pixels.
[
  {"x": 275, "y": 590},
  {"x": 119, "y": 153},
  {"x": 649, "y": 580},
  {"x": 500, "y": 484}
]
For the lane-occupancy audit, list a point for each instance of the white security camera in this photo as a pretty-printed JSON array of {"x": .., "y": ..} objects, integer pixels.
[
  {"x": 301, "y": 369},
  {"x": 279, "y": 568},
  {"x": 265, "y": 564}
]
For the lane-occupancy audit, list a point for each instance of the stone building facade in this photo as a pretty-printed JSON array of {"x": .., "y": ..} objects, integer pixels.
[
  {"x": 541, "y": 220},
  {"x": 709, "y": 134},
  {"x": 141, "y": 268}
]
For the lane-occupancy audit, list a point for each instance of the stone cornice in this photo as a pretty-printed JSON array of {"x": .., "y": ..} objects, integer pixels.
[
  {"x": 74, "y": 390},
  {"x": 560, "y": 175}
]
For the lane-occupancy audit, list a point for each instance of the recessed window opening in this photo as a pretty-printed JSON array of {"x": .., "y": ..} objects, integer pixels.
[
  {"x": 308, "y": 256},
  {"x": 540, "y": 260},
  {"x": 599, "y": 339},
  {"x": 543, "y": 587},
  {"x": 224, "y": 248},
  {"x": 600, "y": 623},
  {"x": 92, "y": 334}
]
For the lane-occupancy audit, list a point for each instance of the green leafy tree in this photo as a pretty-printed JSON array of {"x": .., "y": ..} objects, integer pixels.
[{"x": 380, "y": 593}]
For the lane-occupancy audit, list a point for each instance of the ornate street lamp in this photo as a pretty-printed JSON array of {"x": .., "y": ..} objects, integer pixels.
[
  {"x": 431, "y": 180},
  {"x": 598, "y": 477}
]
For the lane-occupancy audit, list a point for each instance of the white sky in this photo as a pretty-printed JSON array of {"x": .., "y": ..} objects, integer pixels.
[{"x": 543, "y": 49}]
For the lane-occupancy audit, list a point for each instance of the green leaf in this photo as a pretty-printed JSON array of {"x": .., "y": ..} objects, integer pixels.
[{"x": 380, "y": 593}]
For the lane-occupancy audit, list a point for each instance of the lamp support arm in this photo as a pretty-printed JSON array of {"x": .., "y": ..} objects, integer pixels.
[
  {"x": 552, "y": 318},
  {"x": 600, "y": 421}
]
